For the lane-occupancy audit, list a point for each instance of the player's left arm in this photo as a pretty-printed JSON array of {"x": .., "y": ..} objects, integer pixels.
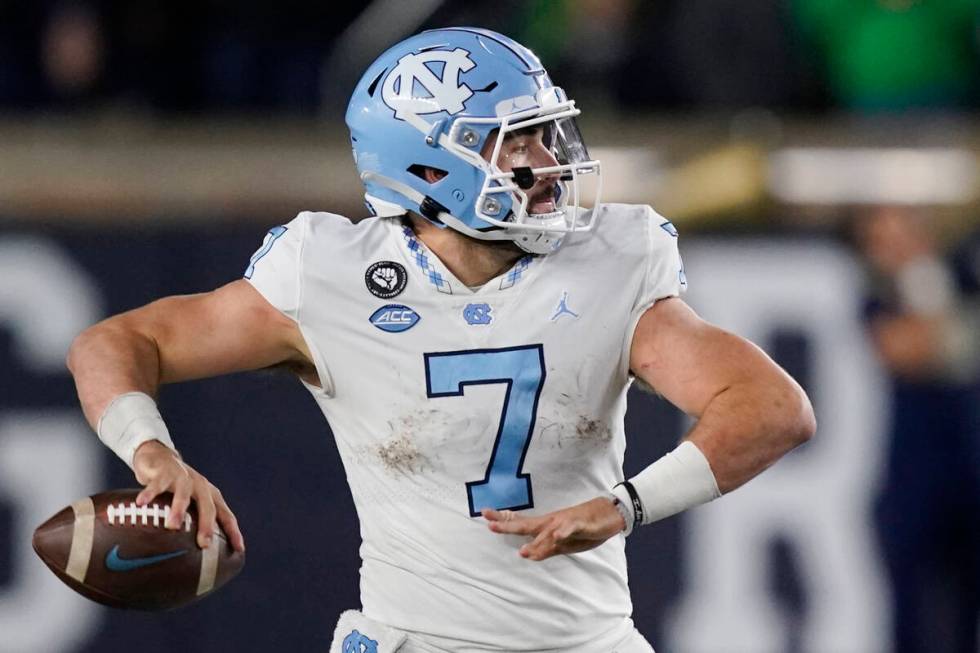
[{"x": 749, "y": 413}]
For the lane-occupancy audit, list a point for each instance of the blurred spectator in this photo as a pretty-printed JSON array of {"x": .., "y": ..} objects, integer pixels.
[
  {"x": 894, "y": 54},
  {"x": 73, "y": 51},
  {"x": 925, "y": 331}
]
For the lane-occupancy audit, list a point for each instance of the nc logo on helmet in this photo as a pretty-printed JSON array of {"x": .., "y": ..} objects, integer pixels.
[{"x": 428, "y": 82}]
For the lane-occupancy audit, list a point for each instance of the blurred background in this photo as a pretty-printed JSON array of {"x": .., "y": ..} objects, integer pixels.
[{"x": 819, "y": 158}]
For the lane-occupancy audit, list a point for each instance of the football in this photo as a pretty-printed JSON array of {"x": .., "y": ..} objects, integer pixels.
[{"x": 112, "y": 551}]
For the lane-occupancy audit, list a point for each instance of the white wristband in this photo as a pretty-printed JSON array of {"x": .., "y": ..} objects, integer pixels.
[
  {"x": 128, "y": 421},
  {"x": 680, "y": 480}
]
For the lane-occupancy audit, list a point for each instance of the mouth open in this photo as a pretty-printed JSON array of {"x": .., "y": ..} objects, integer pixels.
[{"x": 543, "y": 201}]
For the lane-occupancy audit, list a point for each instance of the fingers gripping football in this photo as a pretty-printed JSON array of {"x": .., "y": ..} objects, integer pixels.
[
  {"x": 570, "y": 530},
  {"x": 227, "y": 520},
  {"x": 159, "y": 469}
]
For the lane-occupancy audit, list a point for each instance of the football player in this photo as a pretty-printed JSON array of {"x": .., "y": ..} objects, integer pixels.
[{"x": 471, "y": 346}]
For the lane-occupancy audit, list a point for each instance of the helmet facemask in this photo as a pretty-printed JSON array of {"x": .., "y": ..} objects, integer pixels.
[{"x": 503, "y": 200}]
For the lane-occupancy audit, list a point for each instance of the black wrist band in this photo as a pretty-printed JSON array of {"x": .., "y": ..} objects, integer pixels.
[{"x": 635, "y": 499}]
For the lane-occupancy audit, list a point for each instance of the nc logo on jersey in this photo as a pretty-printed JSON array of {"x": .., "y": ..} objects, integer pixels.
[
  {"x": 394, "y": 318},
  {"x": 358, "y": 643},
  {"x": 478, "y": 314},
  {"x": 428, "y": 82}
]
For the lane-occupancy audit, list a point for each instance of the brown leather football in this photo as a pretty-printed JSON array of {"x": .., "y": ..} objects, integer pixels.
[{"x": 112, "y": 551}]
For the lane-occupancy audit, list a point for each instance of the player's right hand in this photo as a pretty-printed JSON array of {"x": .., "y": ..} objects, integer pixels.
[
  {"x": 160, "y": 469},
  {"x": 569, "y": 530}
]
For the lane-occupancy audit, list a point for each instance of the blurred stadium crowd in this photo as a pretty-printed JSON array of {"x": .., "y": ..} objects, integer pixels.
[
  {"x": 804, "y": 55},
  {"x": 910, "y": 68},
  {"x": 923, "y": 312}
]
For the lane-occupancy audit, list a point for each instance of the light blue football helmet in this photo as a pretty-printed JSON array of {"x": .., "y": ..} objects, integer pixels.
[{"x": 433, "y": 101}]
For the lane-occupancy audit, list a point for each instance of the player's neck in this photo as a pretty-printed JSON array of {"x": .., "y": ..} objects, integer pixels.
[{"x": 473, "y": 262}]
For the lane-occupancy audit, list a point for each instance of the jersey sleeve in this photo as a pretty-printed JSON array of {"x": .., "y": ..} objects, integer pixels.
[
  {"x": 275, "y": 269},
  {"x": 664, "y": 275}
]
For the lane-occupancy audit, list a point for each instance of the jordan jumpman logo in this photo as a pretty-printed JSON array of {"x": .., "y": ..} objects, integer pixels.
[{"x": 563, "y": 308}]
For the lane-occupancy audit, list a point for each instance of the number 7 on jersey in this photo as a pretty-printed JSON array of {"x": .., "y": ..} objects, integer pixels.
[{"x": 521, "y": 369}]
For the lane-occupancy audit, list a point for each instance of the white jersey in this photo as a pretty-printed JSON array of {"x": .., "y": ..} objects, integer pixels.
[{"x": 444, "y": 400}]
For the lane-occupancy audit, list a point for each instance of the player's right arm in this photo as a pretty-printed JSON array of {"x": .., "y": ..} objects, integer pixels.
[{"x": 180, "y": 338}]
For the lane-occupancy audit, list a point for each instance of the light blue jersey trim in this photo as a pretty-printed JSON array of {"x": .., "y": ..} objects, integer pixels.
[{"x": 421, "y": 256}]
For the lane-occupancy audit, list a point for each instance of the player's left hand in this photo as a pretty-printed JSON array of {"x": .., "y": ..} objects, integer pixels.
[{"x": 569, "y": 530}]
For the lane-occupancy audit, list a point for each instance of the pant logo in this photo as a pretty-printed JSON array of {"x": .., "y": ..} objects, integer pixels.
[{"x": 358, "y": 643}]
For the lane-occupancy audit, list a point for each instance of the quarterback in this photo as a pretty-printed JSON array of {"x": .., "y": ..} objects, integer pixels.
[{"x": 508, "y": 312}]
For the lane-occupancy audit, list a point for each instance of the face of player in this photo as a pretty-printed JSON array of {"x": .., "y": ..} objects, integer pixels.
[{"x": 529, "y": 147}]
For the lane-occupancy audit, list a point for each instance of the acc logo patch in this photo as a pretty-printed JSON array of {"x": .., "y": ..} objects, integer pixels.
[
  {"x": 478, "y": 314},
  {"x": 428, "y": 82},
  {"x": 386, "y": 279},
  {"x": 394, "y": 318},
  {"x": 358, "y": 643}
]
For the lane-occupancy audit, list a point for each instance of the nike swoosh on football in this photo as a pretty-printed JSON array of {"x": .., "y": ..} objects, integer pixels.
[{"x": 114, "y": 563}]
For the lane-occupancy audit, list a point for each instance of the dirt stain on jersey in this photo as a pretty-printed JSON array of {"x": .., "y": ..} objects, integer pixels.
[
  {"x": 583, "y": 434},
  {"x": 400, "y": 454},
  {"x": 416, "y": 440},
  {"x": 591, "y": 430}
]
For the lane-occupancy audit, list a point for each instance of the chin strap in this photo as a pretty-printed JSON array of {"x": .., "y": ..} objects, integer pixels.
[
  {"x": 540, "y": 242},
  {"x": 395, "y": 185},
  {"x": 533, "y": 242}
]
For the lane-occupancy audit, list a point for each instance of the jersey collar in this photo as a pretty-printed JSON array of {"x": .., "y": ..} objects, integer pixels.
[{"x": 439, "y": 277}]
